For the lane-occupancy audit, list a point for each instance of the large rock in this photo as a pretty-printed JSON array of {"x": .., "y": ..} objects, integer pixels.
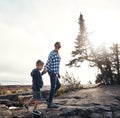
[
  {"x": 5, "y": 112},
  {"x": 100, "y": 102},
  {"x": 6, "y": 102}
]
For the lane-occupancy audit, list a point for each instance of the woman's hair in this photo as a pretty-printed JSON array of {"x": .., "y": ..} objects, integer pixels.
[
  {"x": 39, "y": 62},
  {"x": 57, "y": 44}
]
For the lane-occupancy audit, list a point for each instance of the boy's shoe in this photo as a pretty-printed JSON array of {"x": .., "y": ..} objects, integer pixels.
[
  {"x": 26, "y": 107},
  {"x": 52, "y": 105},
  {"x": 36, "y": 112}
]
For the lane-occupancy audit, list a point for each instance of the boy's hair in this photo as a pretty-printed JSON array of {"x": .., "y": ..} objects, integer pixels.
[{"x": 39, "y": 62}]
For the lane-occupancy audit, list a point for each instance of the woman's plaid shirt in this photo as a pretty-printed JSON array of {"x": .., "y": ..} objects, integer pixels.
[{"x": 53, "y": 62}]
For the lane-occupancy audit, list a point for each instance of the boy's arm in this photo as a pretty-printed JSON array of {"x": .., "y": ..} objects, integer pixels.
[
  {"x": 59, "y": 75},
  {"x": 44, "y": 71}
]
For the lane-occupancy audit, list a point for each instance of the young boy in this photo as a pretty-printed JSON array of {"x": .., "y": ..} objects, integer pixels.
[{"x": 37, "y": 83}]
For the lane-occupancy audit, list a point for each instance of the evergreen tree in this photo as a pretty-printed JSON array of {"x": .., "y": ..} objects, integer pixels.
[
  {"x": 110, "y": 66},
  {"x": 81, "y": 45},
  {"x": 107, "y": 62},
  {"x": 115, "y": 59},
  {"x": 104, "y": 65}
]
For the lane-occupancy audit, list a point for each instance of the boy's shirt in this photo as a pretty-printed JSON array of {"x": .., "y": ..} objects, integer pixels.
[{"x": 37, "y": 78}]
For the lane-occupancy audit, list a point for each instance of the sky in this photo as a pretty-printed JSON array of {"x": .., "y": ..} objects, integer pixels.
[{"x": 29, "y": 29}]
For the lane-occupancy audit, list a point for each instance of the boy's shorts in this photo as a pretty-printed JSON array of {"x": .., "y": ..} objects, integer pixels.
[{"x": 37, "y": 95}]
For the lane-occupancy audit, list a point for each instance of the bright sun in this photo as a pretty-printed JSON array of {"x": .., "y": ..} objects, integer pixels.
[
  {"x": 98, "y": 40},
  {"x": 105, "y": 36}
]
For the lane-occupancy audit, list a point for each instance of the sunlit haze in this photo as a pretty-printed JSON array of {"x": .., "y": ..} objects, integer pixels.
[{"x": 29, "y": 29}]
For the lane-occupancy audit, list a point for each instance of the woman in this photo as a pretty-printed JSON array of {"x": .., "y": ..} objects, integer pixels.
[{"x": 52, "y": 67}]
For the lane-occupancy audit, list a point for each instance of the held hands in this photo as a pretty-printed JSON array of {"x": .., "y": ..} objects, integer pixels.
[
  {"x": 41, "y": 85},
  {"x": 59, "y": 76},
  {"x": 44, "y": 71}
]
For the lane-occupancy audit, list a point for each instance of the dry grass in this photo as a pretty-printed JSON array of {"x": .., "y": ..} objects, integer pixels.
[{"x": 5, "y": 90}]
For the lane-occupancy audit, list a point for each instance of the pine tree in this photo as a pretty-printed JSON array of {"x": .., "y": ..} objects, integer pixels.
[
  {"x": 81, "y": 45},
  {"x": 107, "y": 62},
  {"x": 115, "y": 59}
]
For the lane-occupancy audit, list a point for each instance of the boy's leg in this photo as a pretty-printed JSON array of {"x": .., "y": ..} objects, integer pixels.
[
  {"x": 29, "y": 101},
  {"x": 36, "y": 104},
  {"x": 37, "y": 97},
  {"x": 35, "y": 111},
  {"x": 26, "y": 104}
]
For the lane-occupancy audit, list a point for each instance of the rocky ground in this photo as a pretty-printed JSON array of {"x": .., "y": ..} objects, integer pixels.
[{"x": 98, "y": 102}]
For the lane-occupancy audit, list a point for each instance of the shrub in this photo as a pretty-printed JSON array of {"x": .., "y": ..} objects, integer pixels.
[
  {"x": 69, "y": 83},
  {"x": 4, "y": 90},
  {"x": 61, "y": 91}
]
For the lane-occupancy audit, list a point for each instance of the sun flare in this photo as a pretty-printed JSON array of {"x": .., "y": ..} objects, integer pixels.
[{"x": 100, "y": 40}]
